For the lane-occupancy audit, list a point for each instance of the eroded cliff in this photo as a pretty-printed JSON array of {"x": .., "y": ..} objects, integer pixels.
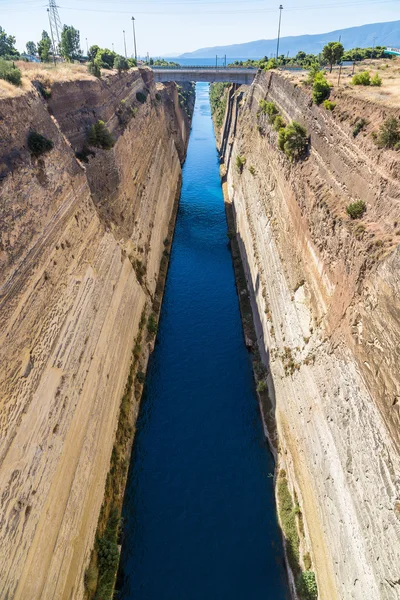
[
  {"x": 325, "y": 296},
  {"x": 81, "y": 245}
]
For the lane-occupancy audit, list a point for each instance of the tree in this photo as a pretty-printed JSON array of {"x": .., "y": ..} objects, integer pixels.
[
  {"x": 105, "y": 58},
  {"x": 332, "y": 53},
  {"x": 44, "y": 46},
  {"x": 293, "y": 140},
  {"x": 7, "y": 44},
  {"x": 321, "y": 88},
  {"x": 70, "y": 43},
  {"x": 31, "y": 48},
  {"x": 93, "y": 50},
  {"x": 121, "y": 63}
]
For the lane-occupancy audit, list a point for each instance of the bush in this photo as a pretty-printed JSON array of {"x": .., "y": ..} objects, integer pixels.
[
  {"x": 268, "y": 108},
  {"x": 99, "y": 136},
  {"x": 329, "y": 105},
  {"x": 121, "y": 63},
  {"x": 359, "y": 126},
  {"x": 389, "y": 133},
  {"x": 94, "y": 69},
  {"x": 252, "y": 170},
  {"x": 9, "y": 72},
  {"x": 307, "y": 585},
  {"x": 240, "y": 162},
  {"x": 356, "y": 209},
  {"x": 141, "y": 97},
  {"x": 38, "y": 144},
  {"x": 152, "y": 324},
  {"x": 315, "y": 69},
  {"x": 288, "y": 520},
  {"x": 321, "y": 89},
  {"x": 293, "y": 140},
  {"x": 279, "y": 123},
  {"x": 262, "y": 387},
  {"x": 271, "y": 64},
  {"x": 362, "y": 78},
  {"x": 376, "y": 80}
]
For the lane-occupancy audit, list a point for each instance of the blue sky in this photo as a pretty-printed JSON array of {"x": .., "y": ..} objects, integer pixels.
[{"x": 176, "y": 26}]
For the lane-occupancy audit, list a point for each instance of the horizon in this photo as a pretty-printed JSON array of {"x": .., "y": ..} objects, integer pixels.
[{"x": 240, "y": 23}]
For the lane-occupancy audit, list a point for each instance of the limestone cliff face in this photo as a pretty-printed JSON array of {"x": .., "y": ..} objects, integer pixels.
[
  {"x": 325, "y": 293},
  {"x": 80, "y": 250}
]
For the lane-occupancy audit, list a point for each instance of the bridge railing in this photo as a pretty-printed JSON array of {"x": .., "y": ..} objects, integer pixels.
[{"x": 207, "y": 67}]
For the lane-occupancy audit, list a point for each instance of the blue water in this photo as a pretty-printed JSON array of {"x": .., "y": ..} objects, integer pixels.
[{"x": 199, "y": 512}]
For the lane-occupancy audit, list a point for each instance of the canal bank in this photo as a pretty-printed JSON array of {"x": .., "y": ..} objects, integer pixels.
[{"x": 199, "y": 512}]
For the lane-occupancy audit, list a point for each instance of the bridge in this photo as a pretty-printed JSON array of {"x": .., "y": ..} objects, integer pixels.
[
  {"x": 242, "y": 76},
  {"x": 393, "y": 51}
]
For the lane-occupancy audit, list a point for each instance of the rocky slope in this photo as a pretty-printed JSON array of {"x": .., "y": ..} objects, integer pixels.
[
  {"x": 325, "y": 298},
  {"x": 80, "y": 252}
]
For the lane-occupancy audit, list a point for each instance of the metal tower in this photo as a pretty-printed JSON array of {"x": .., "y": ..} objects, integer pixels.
[{"x": 55, "y": 25}]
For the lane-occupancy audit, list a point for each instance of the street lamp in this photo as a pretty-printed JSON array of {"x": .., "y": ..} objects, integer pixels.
[
  {"x": 279, "y": 30},
  {"x": 134, "y": 37},
  {"x": 126, "y": 56},
  {"x": 87, "y": 47}
]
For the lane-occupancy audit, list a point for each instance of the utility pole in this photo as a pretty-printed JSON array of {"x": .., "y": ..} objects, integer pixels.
[
  {"x": 126, "y": 56},
  {"x": 52, "y": 38},
  {"x": 279, "y": 30},
  {"x": 216, "y": 61},
  {"x": 55, "y": 22},
  {"x": 373, "y": 47},
  {"x": 87, "y": 48},
  {"x": 112, "y": 46},
  {"x": 134, "y": 37},
  {"x": 340, "y": 72}
]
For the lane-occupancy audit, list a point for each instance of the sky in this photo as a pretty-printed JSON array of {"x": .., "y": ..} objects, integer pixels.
[{"x": 172, "y": 27}]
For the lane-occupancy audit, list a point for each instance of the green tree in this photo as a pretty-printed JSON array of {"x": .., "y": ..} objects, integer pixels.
[
  {"x": 121, "y": 63},
  {"x": 105, "y": 58},
  {"x": 293, "y": 140},
  {"x": 332, "y": 53},
  {"x": 321, "y": 89},
  {"x": 44, "y": 46},
  {"x": 7, "y": 44},
  {"x": 31, "y": 48},
  {"x": 70, "y": 43},
  {"x": 93, "y": 50}
]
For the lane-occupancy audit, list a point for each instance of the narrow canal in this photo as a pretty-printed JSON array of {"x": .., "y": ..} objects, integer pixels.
[{"x": 199, "y": 512}]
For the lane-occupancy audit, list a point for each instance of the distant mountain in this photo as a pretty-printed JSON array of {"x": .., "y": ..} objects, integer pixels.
[{"x": 387, "y": 34}]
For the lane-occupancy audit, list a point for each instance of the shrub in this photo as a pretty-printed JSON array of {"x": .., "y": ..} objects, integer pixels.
[
  {"x": 288, "y": 519},
  {"x": 293, "y": 140},
  {"x": 9, "y": 72},
  {"x": 141, "y": 377},
  {"x": 329, "y": 105},
  {"x": 141, "y": 97},
  {"x": 313, "y": 72},
  {"x": 252, "y": 170},
  {"x": 262, "y": 387},
  {"x": 240, "y": 162},
  {"x": 271, "y": 64},
  {"x": 307, "y": 561},
  {"x": 268, "y": 108},
  {"x": 362, "y": 78},
  {"x": 99, "y": 136},
  {"x": 38, "y": 144},
  {"x": 389, "y": 133},
  {"x": 279, "y": 123},
  {"x": 376, "y": 80},
  {"x": 307, "y": 585},
  {"x": 120, "y": 63},
  {"x": 152, "y": 324},
  {"x": 356, "y": 209},
  {"x": 359, "y": 126},
  {"x": 321, "y": 89},
  {"x": 94, "y": 69},
  {"x": 158, "y": 97}
]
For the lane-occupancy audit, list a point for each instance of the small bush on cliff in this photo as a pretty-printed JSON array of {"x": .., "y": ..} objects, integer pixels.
[
  {"x": 321, "y": 89},
  {"x": 389, "y": 133},
  {"x": 279, "y": 123},
  {"x": 38, "y": 144},
  {"x": 141, "y": 97},
  {"x": 329, "y": 105},
  {"x": 287, "y": 516},
  {"x": 376, "y": 80},
  {"x": 268, "y": 108},
  {"x": 9, "y": 72},
  {"x": 271, "y": 64},
  {"x": 293, "y": 140},
  {"x": 99, "y": 136},
  {"x": 363, "y": 78},
  {"x": 121, "y": 63},
  {"x": 307, "y": 586},
  {"x": 94, "y": 69},
  {"x": 152, "y": 324},
  {"x": 315, "y": 69},
  {"x": 359, "y": 126},
  {"x": 240, "y": 162},
  {"x": 356, "y": 209}
]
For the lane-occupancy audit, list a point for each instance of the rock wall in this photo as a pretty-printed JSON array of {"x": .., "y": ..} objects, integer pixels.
[
  {"x": 80, "y": 250},
  {"x": 325, "y": 296}
]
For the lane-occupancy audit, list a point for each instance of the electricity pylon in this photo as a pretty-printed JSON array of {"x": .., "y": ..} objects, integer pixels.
[{"x": 55, "y": 25}]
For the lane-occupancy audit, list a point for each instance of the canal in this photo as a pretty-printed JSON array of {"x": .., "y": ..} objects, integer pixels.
[{"x": 199, "y": 512}]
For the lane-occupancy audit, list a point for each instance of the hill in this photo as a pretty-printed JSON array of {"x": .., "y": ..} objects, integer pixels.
[{"x": 387, "y": 34}]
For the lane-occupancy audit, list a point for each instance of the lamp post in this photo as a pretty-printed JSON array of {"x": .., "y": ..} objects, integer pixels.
[
  {"x": 279, "y": 30},
  {"x": 134, "y": 37},
  {"x": 126, "y": 56},
  {"x": 87, "y": 48}
]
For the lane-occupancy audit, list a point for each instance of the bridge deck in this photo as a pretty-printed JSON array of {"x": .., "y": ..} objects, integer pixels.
[{"x": 208, "y": 74}]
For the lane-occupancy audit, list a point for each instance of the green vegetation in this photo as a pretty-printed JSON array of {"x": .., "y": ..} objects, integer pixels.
[
  {"x": 240, "y": 162},
  {"x": 279, "y": 123},
  {"x": 252, "y": 170},
  {"x": 363, "y": 78},
  {"x": 307, "y": 561},
  {"x": 357, "y": 54},
  {"x": 9, "y": 72},
  {"x": 38, "y": 144},
  {"x": 99, "y": 136},
  {"x": 94, "y": 69},
  {"x": 121, "y": 63},
  {"x": 160, "y": 62},
  {"x": 332, "y": 53},
  {"x": 307, "y": 586},
  {"x": 8, "y": 50},
  {"x": 268, "y": 108},
  {"x": 152, "y": 324},
  {"x": 288, "y": 520},
  {"x": 185, "y": 94},
  {"x": 359, "y": 126},
  {"x": 321, "y": 89},
  {"x": 314, "y": 70},
  {"x": 376, "y": 80},
  {"x": 218, "y": 100},
  {"x": 44, "y": 46},
  {"x": 31, "y": 48},
  {"x": 389, "y": 134},
  {"x": 329, "y": 105},
  {"x": 356, "y": 209},
  {"x": 141, "y": 97},
  {"x": 70, "y": 43},
  {"x": 262, "y": 387},
  {"x": 293, "y": 141}
]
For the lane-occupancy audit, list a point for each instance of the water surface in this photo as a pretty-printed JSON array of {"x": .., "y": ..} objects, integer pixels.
[{"x": 199, "y": 512}]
